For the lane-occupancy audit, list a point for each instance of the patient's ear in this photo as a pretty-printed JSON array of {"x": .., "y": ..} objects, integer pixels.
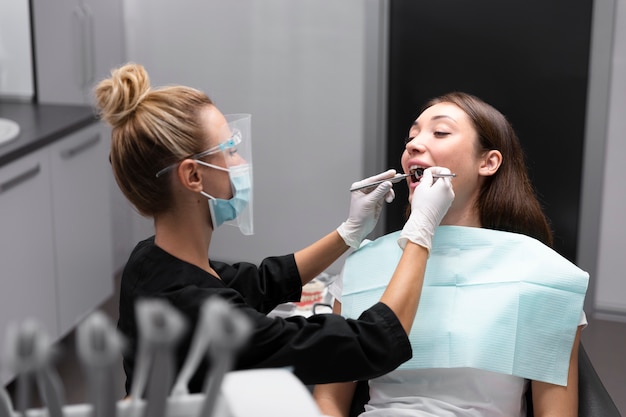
[
  {"x": 490, "y": 163},
  {"x": 189, "y": 175}
]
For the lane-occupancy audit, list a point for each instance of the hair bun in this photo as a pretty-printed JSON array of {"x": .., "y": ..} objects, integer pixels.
[{"x": 119, "y": 96}]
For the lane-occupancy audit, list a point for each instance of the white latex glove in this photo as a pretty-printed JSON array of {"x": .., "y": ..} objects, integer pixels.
[
  {"x": 431, "y": 200},
  {"x": 365, "y": 208}
]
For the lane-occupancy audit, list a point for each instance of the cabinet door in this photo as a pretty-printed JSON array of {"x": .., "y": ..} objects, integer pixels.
[
  {"x": 82, "y": 223},
  {"x": 77, "y": 42},
  {"x": 27, "y": 276}
]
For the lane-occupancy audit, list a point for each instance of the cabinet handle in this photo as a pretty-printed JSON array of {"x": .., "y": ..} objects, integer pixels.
[
  {"x": 78, "y": 29},
  {"x": 83, "y": 31},
  {"x": 90, "y": 50},
  {"x": 71, "y": 152},
  {"x": 20, "y": 178}
]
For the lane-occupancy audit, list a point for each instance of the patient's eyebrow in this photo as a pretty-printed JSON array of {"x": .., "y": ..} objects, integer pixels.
[
  {"x": 443, "y": 116},
  {"x": 436, "y": 117}
]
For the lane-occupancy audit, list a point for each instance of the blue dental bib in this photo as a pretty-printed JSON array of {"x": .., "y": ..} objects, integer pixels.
[{"x": 491, "y": 300}]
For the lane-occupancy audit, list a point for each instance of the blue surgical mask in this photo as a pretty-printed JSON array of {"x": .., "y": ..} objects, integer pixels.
[{"x": 223, "y": 210}]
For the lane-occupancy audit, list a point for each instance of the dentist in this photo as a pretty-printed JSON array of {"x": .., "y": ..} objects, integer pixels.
[{"x": 179, "y": 160}]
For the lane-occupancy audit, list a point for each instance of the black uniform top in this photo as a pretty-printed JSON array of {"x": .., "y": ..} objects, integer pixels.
[{"x": 322, "y": 348}]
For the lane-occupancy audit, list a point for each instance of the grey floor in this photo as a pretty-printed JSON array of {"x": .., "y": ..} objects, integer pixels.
[{"x": 604, "y": 341}]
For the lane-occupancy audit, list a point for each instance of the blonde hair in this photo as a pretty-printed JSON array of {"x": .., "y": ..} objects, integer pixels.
[{"x": 151, "y": 129}]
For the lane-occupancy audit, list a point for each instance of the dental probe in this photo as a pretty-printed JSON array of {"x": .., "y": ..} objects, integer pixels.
[{"x": 393, "y": 180}]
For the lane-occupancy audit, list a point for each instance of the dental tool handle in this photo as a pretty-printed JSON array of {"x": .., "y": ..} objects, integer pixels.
[
  {"x": 50, "y": 386},
  {"x": 160, "y": 327},
  {"x": 30, "y": 354},
  {"x": 160, "y": 382},
  {"x": 99, "y": 345},
  {"x": 6, "y": 407},
  {"x": 229, "y": 330},
  {"x": 394, "y": 180},
  {"x": 101, "y": 382},
  {"x": 23, "y": 392},
  {"x": 141, "y": 372},
  {"x": 181, "y": 385},
  {"x": 197, "y": 351},
  {"x": 222, "y": 364}
]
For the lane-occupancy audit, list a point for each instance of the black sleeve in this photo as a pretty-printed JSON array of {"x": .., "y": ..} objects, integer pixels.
[
  {"x": 276, "y": 280},
  {"x": 329, "y": 348},
  {"x": 320, "y": 349},
  {"x": 323, "y": 348}
]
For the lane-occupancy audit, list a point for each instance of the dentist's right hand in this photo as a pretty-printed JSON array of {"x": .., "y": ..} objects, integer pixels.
[
  {"x": 365, "y": 208},
  {"x": 431, "y": 200}
]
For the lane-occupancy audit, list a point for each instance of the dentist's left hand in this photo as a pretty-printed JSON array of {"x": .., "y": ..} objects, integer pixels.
[{"x": 365, "y": 208}]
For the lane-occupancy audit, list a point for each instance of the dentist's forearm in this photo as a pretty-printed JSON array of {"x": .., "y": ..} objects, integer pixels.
[
  {"x": 315, "y": 258},
  {"x": 403, "y": 292}
]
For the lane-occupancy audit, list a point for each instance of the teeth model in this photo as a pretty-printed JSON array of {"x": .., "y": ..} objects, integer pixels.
[{"x": 312, "y": 292}]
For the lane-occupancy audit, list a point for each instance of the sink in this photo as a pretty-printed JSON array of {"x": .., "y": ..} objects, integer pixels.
[{"x": 9, "y": 130}]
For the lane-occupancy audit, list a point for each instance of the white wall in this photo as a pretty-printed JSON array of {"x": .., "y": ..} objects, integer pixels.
[
  {"x": 309, "y": 73},
  {"x": 312, "y": 74},
  {"x": 602, "y": 231}
]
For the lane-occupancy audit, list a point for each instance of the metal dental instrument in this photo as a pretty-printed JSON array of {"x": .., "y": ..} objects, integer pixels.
[
  {"x": 6, "y": 406},
  {"x": 397, "y": 178},
  {"x": 229, "y": 331},
  {"x": 393, "y": 180},
  {"x": 30, "y": 355},
  {"x": 160, "y": 328},
  {"x": 197, "y": 351},
  {"x": 99, "y": 345}
]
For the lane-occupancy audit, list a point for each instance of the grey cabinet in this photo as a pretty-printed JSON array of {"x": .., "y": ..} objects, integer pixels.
[
  {"x": 77, "y": 43},
  {"x": 82, "y": 223},
  {"x": 27, "y": 275},
  {"x": 55, "y": 234}
]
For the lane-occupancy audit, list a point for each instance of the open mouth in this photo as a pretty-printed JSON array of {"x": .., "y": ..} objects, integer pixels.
[{"x": 416, "y": 173}]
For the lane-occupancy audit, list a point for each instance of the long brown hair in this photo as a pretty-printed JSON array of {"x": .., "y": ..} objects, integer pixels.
[
  {"x": 152, "y": 128},
  {"x": 507, "y": 200}
]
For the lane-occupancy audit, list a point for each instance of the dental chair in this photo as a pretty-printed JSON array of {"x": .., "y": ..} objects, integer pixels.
[{"x": 593, "y": 398}]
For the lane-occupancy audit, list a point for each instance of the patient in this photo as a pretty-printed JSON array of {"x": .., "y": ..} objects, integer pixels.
[{"x": 500, "y": 310}]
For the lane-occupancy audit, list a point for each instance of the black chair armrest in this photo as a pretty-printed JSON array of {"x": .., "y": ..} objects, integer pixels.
[{"x": 593, "y": 398}]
